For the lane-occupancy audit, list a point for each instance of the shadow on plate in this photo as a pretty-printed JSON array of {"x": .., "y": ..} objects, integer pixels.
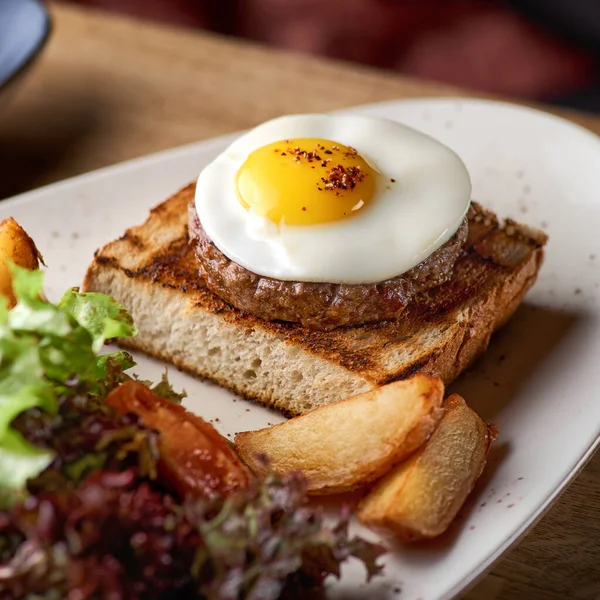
[
  {"x": 516, "y": 352},
  {"x": 514, "y": 355}
]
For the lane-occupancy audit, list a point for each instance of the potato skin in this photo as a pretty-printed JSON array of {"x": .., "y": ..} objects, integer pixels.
[
  {"x": 17, "y": 247},
  {"x": 346, "y": 445},
  {"x": 422, "y": 496}
]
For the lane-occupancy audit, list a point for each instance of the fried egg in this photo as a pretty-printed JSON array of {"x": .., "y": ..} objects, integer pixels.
[{"x": 332, "y": 198}]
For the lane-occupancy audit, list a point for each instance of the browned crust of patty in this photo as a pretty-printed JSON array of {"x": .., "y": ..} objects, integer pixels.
[{"x": 322, "y": 306}]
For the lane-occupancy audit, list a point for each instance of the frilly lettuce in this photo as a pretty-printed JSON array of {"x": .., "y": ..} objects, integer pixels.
[{"x": 48, "y": 351}]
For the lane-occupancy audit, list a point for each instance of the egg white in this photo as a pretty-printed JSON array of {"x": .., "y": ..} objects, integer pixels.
[{"x": 405, "y": 222}]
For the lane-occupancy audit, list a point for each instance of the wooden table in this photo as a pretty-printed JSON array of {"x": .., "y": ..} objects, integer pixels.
[{"x": 108, "y": 89}]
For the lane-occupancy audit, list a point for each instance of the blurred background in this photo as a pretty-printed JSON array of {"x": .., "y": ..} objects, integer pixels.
[{"x": 538, "y": 49}]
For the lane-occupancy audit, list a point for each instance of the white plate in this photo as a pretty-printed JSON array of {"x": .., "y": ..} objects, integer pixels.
[{"x": 539, "y": 381}]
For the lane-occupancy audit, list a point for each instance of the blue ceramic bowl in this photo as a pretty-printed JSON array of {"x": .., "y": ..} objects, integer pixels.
[{"x": 24, "y": 29}]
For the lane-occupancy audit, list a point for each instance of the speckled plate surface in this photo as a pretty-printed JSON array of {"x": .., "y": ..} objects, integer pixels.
[{"x": 539, "y": 381}]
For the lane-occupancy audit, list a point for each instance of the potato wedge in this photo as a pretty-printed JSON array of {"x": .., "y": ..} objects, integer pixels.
[
  {"x": 420, "y": 498},
  {"x": 343, "y": 446},
  {"x": 18, "y": 247}
]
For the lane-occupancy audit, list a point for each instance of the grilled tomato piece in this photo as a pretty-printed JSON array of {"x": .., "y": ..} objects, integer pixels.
[{"x": 195, "y": 459}]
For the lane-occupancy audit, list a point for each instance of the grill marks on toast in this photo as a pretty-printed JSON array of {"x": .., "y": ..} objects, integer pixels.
[{"x": 497, "y": 266}]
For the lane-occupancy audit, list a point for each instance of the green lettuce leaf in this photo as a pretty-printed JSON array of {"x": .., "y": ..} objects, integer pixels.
[
  {"x": 49, "y": 351},
  {"x": 102, "y": 316},
  {"x": 112, "y": 369},
  {"x": 19, "y": 461},
  {"x": 164, "y": 389}
]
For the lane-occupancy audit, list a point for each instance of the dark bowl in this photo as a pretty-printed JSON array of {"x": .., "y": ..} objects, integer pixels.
[{"x": 24, "y": 29}]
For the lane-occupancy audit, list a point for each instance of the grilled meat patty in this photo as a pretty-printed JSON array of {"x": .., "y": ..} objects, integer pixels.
[{"x": 321, "y": 306}]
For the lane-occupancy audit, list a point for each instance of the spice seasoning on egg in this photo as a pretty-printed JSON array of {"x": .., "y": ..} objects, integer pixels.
[
  {"x": 308, "y": 155},
  {"x": 342, "y": 178},
  {"x": 339, "y": 177}
]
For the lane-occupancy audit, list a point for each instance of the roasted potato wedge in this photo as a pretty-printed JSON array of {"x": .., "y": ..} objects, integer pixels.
[
  {"x": 18, "y": 247},
  {"x": 420, "y": 498},
  {"x": 343, "y": 446}
]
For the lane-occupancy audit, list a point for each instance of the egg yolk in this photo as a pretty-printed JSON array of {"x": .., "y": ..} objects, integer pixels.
[{"x": 305, "y": 182}]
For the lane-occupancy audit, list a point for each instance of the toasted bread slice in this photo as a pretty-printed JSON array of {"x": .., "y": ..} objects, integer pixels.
[{"x": 152, "y": 270}]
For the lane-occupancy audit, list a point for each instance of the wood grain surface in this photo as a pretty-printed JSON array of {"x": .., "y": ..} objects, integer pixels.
[{"x": 108, "y": 89}]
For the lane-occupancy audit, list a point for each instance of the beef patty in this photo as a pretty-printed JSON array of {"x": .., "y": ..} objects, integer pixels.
[{"x": 321, "y": 306}]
